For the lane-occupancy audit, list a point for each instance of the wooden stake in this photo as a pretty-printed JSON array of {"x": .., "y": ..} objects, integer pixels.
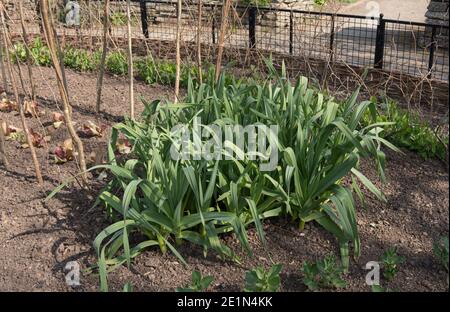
[
  {"x": 38, "y": 13},
  {"x": 2, "y": 147},
  {"x": 5, "y": 81},
  {"x": 58, "y": 67},
  {"x": 101, "y": 72},
  {"x": 2, "y": 65},
  {"x": 19, "y": 69},
  {"x": 199, "y": 41},
  {"x": 28, "y": 52},
  {"x": 90, "y": 24},
  {"x": 18, "y": 100},
  {"x": 178, "y": 56},
  {"x": 223, "y": 29},
  {"x": 130, "y": 60}
]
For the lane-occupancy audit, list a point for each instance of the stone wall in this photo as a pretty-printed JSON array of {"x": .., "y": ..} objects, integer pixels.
[
  {"x": 160, "y": 13},
  {"x": 293, "y": 4},
  {"x": 163, "y": 13},
  {"x": 437, "y": 14}
]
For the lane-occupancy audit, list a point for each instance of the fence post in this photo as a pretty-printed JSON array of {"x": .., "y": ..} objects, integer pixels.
[
  {"x": 379, "y": 43},
  {"x": 291, "y": 32},
  {"x": 432, "y": 49},
  {"x": 213, "y": 26},
  {"x": 332, "y": 38},
  {"x": 252, "y": 27},
  {"x": 144, "y": 17}
]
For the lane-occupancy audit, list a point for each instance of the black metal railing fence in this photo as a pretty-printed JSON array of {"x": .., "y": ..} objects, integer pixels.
[
  {"x": 411, "y": 59},
  {"x": 411, "y": 48}
]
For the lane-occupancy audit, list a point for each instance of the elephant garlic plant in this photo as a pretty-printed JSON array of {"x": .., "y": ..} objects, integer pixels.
[{"x": 171, "y": 188}]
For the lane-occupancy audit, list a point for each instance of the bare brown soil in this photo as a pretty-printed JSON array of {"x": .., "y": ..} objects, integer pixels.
[{"x": 37, "y": 239}]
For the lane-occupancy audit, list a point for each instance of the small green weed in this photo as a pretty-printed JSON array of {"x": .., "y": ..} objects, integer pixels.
[
  {"x": 441, "y": 252},
  {"x": 197, "y": 284},
  {"x": 410, "y": 132},
  {"x": 117, "y": 63},
  {"x": 80, "y": 60},
  {"x": 325, "y": 273},
  {"x": 259, "y": 280},
  {"x": 390, "y": 262}
]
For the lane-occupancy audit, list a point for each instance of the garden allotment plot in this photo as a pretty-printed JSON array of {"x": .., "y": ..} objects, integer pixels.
[{"x": 213, "y": 169}]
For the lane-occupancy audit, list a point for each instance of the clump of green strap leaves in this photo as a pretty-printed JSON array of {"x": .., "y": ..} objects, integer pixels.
[
  {"x": 320, "y": 142},
  {"x": 407, "y": 130}
]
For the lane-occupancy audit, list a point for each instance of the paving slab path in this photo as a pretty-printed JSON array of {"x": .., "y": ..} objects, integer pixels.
[{"x": 409, "y": 10}]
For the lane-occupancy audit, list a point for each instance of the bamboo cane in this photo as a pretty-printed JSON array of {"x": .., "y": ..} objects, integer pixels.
[
  {"x": 53, "y": 47},
  {"x": 18, "y": 100},
  {"x": 178, "y": 56},
  {"x": 90, "y": 25},
  {"x": 101, "y": 72},
  {"x": 5, "y": 81},
  {"x": 199, "y": 42},
  {"x": 223, "y": 29},
  {"x": 28, "y": 52},
  {"x": 130, "y": 60},
  {"x": 2, "y": 147},
  {"x": 2, "y": 65}
]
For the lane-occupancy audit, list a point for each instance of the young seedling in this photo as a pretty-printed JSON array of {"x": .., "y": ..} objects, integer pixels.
[
  {"x": 128, "y": 287},
  {"x": 198, "y": 283},
  {"x": 441, "y": 252},
  {"x": 90, "y": 129},
  {"x": 64, "y": 152},
  {"x": 390, "y": 262},
  {"x": 259, "y": 280},
  {"x": 325, "y": 273},
  {"x": 379, "y": 288}
]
